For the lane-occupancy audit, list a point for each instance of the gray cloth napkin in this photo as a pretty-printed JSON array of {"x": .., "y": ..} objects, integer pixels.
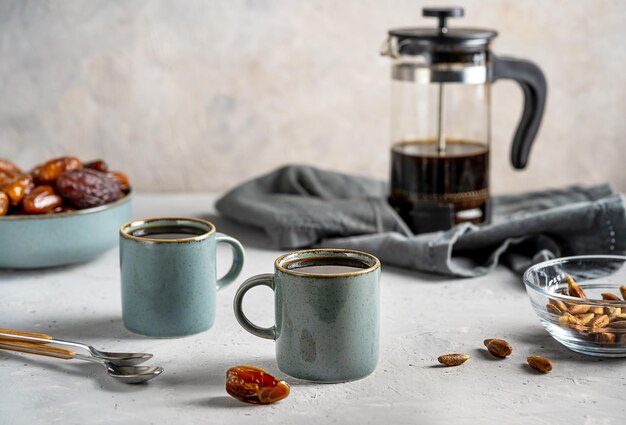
[{"x": 301, "y": 206}]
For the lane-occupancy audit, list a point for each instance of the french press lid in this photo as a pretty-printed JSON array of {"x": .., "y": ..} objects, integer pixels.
[{"x": 414, "y": 41}]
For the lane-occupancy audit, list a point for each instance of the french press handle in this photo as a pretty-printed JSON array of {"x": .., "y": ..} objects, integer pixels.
[{"x": 533, "y": 84}]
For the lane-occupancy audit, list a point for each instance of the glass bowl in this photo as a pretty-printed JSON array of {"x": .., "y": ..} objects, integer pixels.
[{"x": 576, "y": 322}]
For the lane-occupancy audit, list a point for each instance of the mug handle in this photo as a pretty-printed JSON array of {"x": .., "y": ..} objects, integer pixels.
[
  {"x": 262, "y": 279},
  {"x": 238, "y": 257}
]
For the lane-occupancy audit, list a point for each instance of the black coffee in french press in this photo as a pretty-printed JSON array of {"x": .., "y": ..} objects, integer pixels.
[{"x": 440, "y": 120}]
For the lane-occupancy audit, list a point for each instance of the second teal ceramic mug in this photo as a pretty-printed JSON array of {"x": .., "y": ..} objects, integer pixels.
[
  {"x": 168, "y": 270},
  {"x": 326, "y": 312}
]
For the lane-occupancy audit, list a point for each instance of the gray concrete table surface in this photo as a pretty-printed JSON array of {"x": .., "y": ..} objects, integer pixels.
[{"x": 422, "y": 316}]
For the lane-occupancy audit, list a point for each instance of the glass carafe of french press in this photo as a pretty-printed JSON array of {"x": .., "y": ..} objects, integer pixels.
[{"x": 440, "y": 120}]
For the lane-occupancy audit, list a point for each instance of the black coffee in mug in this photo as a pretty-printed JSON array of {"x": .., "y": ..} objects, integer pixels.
[
  {"x": 326, "y": 265},
  {"x": 167, "y": 232}
]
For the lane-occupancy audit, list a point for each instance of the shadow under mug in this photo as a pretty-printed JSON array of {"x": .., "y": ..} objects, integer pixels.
[
  {"x": 169, "y": 278},
  {"x": 327, "y": 319}
]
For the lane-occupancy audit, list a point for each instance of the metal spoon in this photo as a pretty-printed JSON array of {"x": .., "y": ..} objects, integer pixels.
[
  {"x": 125, "y": 374},
  {"x": 119, "y": 359}
]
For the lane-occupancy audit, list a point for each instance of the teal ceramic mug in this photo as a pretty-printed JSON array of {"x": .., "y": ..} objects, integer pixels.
[
  {"x": 169, "y": 279},
  {"x": 326, "y": 312}
]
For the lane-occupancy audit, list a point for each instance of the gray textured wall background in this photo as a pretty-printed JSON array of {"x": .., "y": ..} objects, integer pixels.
[{"x": 199, "y": 95}]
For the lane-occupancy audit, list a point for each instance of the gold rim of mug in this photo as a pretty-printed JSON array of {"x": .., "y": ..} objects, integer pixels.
[
  {"x": 376, "y": 261},
  {"x": 143, "y": 221}
]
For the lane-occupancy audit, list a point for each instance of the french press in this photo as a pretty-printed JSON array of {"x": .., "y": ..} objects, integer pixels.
[{"x": 440, "y": 120}]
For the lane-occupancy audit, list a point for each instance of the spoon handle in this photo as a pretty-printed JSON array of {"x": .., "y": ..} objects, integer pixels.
[
  {"x": 42, "y": 350},
  {"x": 22, "y": 333}
]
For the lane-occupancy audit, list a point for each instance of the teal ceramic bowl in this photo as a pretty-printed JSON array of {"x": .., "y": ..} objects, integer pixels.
[{"x": 35, "y": 241}]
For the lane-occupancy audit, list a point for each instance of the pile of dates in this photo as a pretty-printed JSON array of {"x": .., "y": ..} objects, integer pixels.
[{"x": 59, "y": 185}]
